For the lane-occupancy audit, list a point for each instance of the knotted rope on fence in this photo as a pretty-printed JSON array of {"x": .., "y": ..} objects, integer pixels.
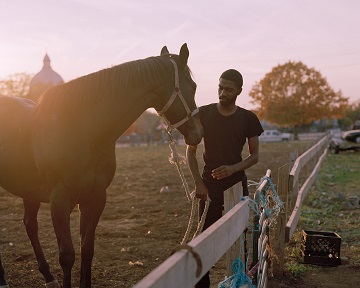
[
  {"x": 238, "y": 279},
  {"x": 266, "y": 206}
]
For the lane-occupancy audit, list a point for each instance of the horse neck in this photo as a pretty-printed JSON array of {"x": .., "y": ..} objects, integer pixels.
[
  {"x": 130, "y": 107},
  {"x": 130, "y": 112},
  {"x": 106, "y": 103}
]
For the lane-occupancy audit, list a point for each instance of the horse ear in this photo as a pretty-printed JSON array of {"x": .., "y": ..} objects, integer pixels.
[
  {"x": 184, "y": 54},
  {"x": 164, "y": 51}
]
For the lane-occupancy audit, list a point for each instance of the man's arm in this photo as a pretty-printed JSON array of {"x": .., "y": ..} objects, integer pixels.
[
  {"x": 201, "y": 191},
  {"x": 227, "y": 170}
]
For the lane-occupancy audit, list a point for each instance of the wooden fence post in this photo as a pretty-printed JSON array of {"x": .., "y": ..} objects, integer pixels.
[
  {"x": 294, "y": 187},
  {"x": 260, "y": 236},
  {"x": 232, "y": 196},
  {"x": 278, "y": 232}
]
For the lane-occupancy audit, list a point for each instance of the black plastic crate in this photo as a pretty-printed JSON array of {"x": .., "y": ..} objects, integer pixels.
[{"x": 321, "y": 248}]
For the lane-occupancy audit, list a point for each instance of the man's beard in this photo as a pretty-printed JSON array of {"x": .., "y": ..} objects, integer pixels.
[{"x": 227, "y": 102}]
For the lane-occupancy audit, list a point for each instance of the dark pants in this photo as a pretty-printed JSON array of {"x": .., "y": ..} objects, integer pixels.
[{"x": 216, "y": 207}]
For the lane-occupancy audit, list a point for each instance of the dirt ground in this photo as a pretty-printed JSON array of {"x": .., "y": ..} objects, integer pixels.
[{"x": 139, "y": 227}]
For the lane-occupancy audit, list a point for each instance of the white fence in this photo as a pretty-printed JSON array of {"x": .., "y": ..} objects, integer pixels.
[
  {"x": 187, "y": 266},
  {"x": 310, "y": 136},
  {"x": 315, "y": 154}
]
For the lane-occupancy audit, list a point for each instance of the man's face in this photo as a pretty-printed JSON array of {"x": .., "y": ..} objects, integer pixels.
[{"x": 228, "y": 92}]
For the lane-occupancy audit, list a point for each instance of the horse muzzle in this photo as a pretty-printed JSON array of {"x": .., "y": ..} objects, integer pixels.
[{"x": 192, "y": 130}]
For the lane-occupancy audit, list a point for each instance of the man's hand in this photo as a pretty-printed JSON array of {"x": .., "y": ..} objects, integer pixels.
[
  {"x": 223, "y": 172},
  {"x": 201, "y": 192}
]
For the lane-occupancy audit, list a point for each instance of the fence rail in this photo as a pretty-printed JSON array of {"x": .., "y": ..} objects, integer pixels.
[
  {"x": 179, "y": 270},
  {"x": 315, "y": 154},
  {"x": 294, "y": 218},
  {"x": 187, "y": 265},
  {"x": 305, "y": 169}
]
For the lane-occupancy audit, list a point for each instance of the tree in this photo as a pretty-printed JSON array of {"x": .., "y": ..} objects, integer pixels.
[
  {"x": 16, "y": 85},
  {"x": 351, "y": 115},
  {"x": 293, "y": 94},
  {"x": 145, "y": 124}
]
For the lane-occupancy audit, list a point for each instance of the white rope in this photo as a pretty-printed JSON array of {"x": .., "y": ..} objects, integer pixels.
[
  {"x": 194, "y": 205},
  {"x": 177, "y": 159},
  {"x": 203, "y": 217},
  {"x": 252, "y": 183}
]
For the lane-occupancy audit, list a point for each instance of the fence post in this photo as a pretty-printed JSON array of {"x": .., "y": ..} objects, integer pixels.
[
  {"x": 278, "y": 233},
  {"x": 232, "y": 196},
  {"x": 258, "y": 234},
  {"x": 294, "y": 187}
]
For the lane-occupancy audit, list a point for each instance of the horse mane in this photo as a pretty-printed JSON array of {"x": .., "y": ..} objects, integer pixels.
[{"x": 105, "y": 85}]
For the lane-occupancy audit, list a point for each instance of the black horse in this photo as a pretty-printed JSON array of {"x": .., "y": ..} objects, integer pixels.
[{"x": 62, "y": 150}]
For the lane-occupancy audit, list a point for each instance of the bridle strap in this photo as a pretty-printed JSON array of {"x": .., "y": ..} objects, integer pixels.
[{"x": 177, "y": 92}]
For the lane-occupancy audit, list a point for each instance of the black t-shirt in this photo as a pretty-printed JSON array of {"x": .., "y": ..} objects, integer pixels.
[{"x": 224, "y": 139}]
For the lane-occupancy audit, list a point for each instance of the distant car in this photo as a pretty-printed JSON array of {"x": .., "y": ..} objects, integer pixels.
[
  {"x": 349, "y": 140},
  {"x": 335, "y": 132},
  {"x": 275, "y": 136},
  {"x": 356, "y": 125},
  {"x": 352, "y": 136}
]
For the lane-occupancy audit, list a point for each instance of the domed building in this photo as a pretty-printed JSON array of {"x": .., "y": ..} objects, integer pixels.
[{"x": 43, "y": 80}]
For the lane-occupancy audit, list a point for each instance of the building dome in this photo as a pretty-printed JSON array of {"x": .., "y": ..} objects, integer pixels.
[
  {"x": 43, "y": 80},
  {"x": 46, "y": 75}
]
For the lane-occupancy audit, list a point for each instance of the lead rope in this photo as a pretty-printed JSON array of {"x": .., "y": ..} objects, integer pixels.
[{"x": 177, "y": 159}]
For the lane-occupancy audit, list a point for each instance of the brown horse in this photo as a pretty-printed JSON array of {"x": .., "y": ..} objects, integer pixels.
[{"x": 62, "y": 150}]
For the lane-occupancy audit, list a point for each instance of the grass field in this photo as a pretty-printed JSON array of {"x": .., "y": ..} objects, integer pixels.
[
  {"x": 140, "y": 226},
  {"x": 327, "y": 209}
]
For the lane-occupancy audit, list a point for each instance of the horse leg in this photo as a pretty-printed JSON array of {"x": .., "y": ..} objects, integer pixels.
[
  {"x": 60, "y": 215},
  {"x": 89, "y": 218},
  {"x": 30, "y": 221},
  {"x": 3, "y": 283}
]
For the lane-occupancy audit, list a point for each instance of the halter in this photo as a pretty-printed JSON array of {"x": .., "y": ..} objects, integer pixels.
[{"x": 177, "y": 92}]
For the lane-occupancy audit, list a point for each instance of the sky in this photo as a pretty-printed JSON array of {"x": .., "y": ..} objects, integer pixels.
[{"x": 252, "y": 36}]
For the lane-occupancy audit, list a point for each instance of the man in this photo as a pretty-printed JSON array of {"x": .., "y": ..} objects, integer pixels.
[{"x": 226, "y": 129}]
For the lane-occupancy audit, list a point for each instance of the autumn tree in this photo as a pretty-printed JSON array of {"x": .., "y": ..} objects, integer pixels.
[
  {"x": 293, "y": 94},
  {"x": 351, "y": 115},
  {"x": 145, "y": 124},
  {"x": 150, "y": 127},
  {"x": 15, "y": 85}
]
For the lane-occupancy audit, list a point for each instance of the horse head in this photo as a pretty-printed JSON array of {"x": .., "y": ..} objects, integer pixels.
[{"x": 179, "y": 110}]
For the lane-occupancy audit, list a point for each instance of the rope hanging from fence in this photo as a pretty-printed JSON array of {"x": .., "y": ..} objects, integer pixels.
[
  {"x": 270, "y": 201},
  {"x": 238, "y": 279},
  {"x": 177, "y": 159},
  {"x": 269, "y": 206}
]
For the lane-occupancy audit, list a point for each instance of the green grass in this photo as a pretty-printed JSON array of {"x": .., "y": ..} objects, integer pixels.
[
  {"x": 327, "y": 206},
  {"x": 341, "y": 170},
  {"x": 296, "y": 269}
]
